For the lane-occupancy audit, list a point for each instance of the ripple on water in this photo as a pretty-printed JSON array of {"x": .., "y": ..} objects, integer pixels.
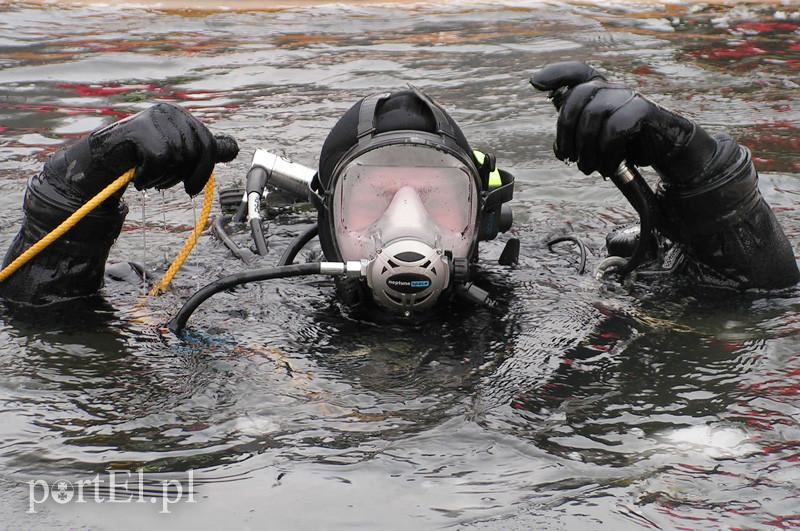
[{"x": 574, "y": 404}]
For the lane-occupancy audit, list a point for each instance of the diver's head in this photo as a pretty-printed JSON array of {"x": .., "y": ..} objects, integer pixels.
[{"x": 399, "y": 187}]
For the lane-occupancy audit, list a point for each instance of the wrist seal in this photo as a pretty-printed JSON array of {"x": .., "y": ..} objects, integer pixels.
[{"x": 725, "y": 195}]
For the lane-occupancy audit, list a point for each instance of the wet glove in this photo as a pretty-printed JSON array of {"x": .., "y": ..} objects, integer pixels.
[
  {"x": 600, "y": 124},
  {"x": 166, "y": 144}
]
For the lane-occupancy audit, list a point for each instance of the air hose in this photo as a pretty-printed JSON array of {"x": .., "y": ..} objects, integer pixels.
[
  {"x": 219, "y": 230},
  {"x": 178, "y": 323},
  {"x": 256, "y": 182},
  {"x": 639, "y": 194},
  {"x": 581, "y": 247},
  {"x": 297, "y": 245}
]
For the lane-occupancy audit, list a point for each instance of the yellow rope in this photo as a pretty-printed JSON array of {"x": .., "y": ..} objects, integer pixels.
[
  {"x": 208, "y": 200},
  {"x": 93, "y": 203},
  {"x": 65, "y": 225}
]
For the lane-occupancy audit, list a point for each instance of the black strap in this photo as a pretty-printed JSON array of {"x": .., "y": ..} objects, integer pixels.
[
  {"x": 366, "y": 115},
  {"x": 443, "y": 125}
]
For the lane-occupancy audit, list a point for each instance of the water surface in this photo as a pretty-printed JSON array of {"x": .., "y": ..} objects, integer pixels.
[{"x": 575, "y": 405}]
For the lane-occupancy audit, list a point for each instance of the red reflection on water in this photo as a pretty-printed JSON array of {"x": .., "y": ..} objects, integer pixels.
[
  {"x": 643, "y": 71},
  {"x": 94, "y": 90},
  {"x": 775, "y": 145},
  {"x": 71, "y": 111},
  {"x": 767, "y": 27},
  {"x": 139, "y": 92},
  {"x": 792, "y": 64},
  {"x": 784, "y": 522},
  {"x": 768, "y": 45},
  {"x": 727, "y": 346},
  {"x": 147, "y": 90},
  {"x": 738, "y": 51}
]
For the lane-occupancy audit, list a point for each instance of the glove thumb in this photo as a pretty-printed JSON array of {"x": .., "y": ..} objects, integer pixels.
[
  {"x": 566, "y": 74},
  {"x": 227, "y": 148}
]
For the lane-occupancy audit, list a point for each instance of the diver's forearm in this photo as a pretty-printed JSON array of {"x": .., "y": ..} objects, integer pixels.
[
  {"x": 713, "y": 207},
  {"x": 73, "y": 265},
  {"x": 709, "y": 193},
  {"x": 165, "y": 144}
]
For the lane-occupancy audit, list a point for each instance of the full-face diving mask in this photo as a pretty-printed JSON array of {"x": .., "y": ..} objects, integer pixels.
[
  {"x": 410, "y": 209},
  {"x": 408, "y": 204}
]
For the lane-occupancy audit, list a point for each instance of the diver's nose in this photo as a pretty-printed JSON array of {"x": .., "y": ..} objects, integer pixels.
[{"x": 407, "y": 217}]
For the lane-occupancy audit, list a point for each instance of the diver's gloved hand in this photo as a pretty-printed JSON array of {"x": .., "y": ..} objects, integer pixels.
[
  {"x": 165, "y": 143},
  {"x": 708, "y": 198},
  {"x": 600, "y": 124}
]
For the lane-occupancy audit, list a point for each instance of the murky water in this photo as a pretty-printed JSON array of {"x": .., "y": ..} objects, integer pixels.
[{"x": 576, "y": 405}]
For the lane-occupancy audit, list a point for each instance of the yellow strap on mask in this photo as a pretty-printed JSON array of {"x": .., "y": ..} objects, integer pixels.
[{"x": 494, "y": 177}]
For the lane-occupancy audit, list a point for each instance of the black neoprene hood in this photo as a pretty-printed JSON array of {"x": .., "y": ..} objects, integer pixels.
[{"x": 403, "y": 110}]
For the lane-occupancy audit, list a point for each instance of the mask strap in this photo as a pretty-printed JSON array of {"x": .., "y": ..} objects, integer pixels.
[
  {"x": 443, "y": 126},
  {"x": 366, "y": 116}
]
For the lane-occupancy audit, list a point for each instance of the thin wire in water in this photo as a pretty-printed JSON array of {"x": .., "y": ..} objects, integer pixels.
[
  {"x": 194, "y": 215},
  {"x": 164, "y": 226},
  {"x": 144, "y": 240}
]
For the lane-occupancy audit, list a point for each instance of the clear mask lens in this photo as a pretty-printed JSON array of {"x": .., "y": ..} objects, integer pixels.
[{"x": 433, "y": 198}]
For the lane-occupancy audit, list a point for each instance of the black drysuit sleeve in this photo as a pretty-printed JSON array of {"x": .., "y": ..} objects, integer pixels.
[
  {"x": 709, "y": 196},
  {"x": 73, "y": 265},
  {"x": 712, "y": 207}
]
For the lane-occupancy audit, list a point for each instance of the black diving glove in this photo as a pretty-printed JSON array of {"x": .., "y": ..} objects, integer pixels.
[
  {"x": 165, "y": 143},
  {"x": 600, "y": 124}
]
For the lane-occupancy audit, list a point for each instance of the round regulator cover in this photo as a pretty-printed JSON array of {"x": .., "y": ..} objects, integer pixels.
[{"x": 408, "y": 276}]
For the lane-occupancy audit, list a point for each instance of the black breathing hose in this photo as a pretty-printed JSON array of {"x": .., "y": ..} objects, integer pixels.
[
  {"x": 258, "y": 236},
  {"x": 297, "y": 245},
  {"x": 577, "y": 241},
  {"x": 178, "y": 323},
  {"x": 255, "y": 183},
  {"x": 219, "y": 230},
  {"x": 241, "y": 212},
  {"x": 641, "y": 197}
]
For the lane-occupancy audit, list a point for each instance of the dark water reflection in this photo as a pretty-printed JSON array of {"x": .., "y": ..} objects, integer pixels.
[{"x": 576, "y": 405}]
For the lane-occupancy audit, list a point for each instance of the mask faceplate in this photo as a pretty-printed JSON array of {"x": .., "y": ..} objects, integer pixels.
[{"x": 404, "y": 191}]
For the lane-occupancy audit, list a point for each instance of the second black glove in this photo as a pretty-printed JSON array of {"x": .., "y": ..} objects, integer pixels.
[
  {"x": 600, "y": 124},
  {"x": 165, "y": 143}
]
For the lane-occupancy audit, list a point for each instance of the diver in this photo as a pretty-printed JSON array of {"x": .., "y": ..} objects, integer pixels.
[{"x": 403, "y": 201}]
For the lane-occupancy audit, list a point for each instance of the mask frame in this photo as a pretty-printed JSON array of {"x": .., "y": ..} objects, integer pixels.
[
  {"x": 438, "y": 195},
  {"x": 443, "y": 140}
]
